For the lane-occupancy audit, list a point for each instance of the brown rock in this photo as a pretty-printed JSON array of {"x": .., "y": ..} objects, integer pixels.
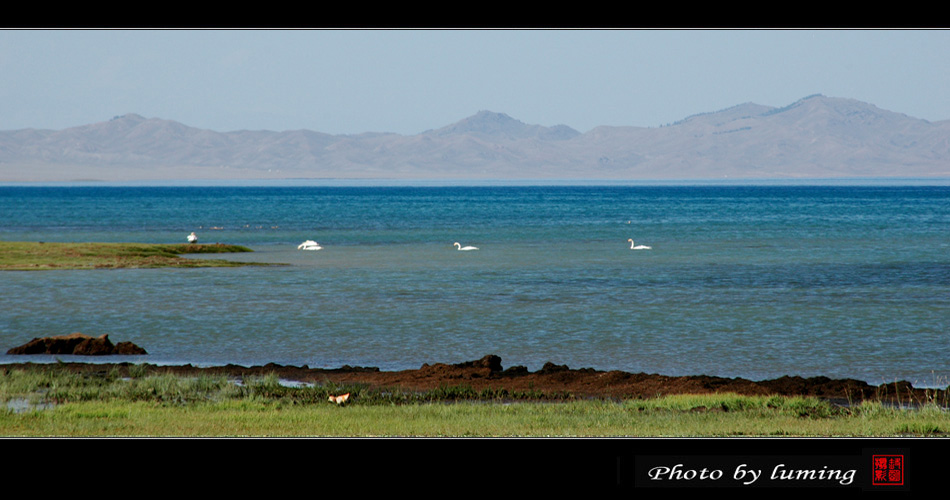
[
  {"x": 76, "y": 343},
  {"x": 94, "y": 346},
  {"x": 128, "y": 348},
  {"x": 550, "y": 367},
  {"x": 492, "y": 362}
]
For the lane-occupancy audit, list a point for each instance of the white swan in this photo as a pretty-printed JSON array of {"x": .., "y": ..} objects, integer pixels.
[
  {"x": 460, "y": 247},
  {"x": 192, "y": 238},
  {"x": 309, "y": 245},
  {"x": 637, "y": 247}
]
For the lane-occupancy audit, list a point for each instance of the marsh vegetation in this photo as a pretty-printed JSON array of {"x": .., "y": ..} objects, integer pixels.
[{"x": 44, "y": 400}]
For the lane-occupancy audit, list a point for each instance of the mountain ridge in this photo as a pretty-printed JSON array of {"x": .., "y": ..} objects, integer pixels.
[{"x": 813, "y": 137}]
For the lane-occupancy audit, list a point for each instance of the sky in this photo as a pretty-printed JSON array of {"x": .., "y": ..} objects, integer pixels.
[{"x": 408, "y": 81}]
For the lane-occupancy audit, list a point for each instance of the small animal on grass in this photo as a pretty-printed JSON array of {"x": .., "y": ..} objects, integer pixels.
[{"x": 342, "y": 398}]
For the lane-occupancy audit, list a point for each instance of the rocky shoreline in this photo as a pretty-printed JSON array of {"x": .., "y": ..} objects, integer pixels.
[{"x": 550, "y": 382}]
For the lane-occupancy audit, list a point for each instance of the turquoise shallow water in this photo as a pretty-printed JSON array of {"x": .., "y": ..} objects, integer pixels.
[{"x": 741, "y": 281}]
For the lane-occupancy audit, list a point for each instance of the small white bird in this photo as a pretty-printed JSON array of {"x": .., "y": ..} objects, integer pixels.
[
  {"x": 342, "y": 398},
  {"x": 637, "y": 247},
  {"x": 309, "y": 245},
  {"x": 192, "y": 238},
  {"x": 460, "y": 247}
]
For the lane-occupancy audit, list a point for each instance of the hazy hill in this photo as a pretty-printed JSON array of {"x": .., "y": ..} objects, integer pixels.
[{"x": 814, "y": 137}]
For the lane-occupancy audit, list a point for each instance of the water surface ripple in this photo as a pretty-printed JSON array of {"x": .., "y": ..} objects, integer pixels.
[{"x": 741, "y": 281}]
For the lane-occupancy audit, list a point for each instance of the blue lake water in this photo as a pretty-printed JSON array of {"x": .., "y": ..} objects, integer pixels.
[{"x": 754, "y": 281}]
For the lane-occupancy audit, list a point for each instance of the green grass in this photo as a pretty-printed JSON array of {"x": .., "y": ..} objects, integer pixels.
[
  {"x": 34, "y": 256},
  {"x": 56, "y": 402}
]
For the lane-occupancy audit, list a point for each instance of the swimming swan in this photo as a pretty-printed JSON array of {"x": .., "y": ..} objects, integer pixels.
[
  {"x": 192, "y": 238},
  {"x": 309, "y": 245},
  {"x": 460, "y": 247},
  {"x": 638, "y": 247}
]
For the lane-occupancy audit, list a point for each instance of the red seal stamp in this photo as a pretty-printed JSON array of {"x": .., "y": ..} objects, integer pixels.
[{"x": 887, "y": 470}]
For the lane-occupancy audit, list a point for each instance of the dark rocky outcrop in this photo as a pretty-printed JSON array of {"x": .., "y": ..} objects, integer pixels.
[
  {"x": 78, "y": 344},
  {"x": 491, "y": 361}
]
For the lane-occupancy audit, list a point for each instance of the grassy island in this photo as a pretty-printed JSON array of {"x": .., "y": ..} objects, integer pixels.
[{"x": 36, "y": 256}]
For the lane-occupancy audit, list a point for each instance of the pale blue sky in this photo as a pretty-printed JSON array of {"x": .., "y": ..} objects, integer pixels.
[{"x": 408, "y": 81}]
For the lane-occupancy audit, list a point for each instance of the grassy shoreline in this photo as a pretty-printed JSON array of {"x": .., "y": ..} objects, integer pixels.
[
  {"x": 50, "y": 401},
  {"x": 38, "y": 256}
]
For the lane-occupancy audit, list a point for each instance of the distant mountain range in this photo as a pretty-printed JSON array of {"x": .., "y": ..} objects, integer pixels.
[{"x": 815, "y": 137}]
